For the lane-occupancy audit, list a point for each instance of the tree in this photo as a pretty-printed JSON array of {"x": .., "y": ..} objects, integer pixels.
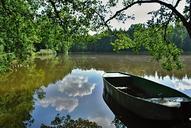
[
  {"x": 17, "y": 31},
  {"x": 71, "y": 20},
  {"x": 26, "y": 26},
  {"x": 150, "y": 39}
]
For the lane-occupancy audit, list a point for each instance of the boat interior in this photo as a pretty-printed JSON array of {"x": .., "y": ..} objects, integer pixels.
[{"x": 126, "y": 85}]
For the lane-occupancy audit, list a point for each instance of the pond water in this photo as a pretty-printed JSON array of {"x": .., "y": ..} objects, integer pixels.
[{"x": 48, "y": 88}]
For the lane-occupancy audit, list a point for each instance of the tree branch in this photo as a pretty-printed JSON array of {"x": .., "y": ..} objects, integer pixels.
[
  {"x": 170, "y": 6},
  {"x": 103, "y": 20},
  {"x": 55, "y": 10},
  {"x": 149, "y": 1},
  {"x": 57, "y": 13}
]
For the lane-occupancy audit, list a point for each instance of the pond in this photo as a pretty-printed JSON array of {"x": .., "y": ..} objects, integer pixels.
[{"x": 50, "y": 91}]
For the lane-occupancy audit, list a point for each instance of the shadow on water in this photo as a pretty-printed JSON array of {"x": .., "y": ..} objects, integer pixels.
[{"x": 131, "y": 120}]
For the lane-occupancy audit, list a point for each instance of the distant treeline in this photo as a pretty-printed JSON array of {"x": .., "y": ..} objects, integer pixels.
[{"x": 103, "y": 42}]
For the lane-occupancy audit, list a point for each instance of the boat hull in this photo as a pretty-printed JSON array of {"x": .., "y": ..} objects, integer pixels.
[{"x": 132, "y": 120}]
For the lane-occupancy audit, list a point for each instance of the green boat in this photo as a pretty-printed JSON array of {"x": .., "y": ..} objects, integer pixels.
[{"x": 146, "y": 98}]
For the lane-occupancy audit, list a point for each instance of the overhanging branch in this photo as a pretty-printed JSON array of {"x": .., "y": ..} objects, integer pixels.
[
  {"x": 55, "y": 10},
  {"x": 103, "y": 20},
  {"x": 186, "y": 23},
  {"x": 171, "y": 7}
]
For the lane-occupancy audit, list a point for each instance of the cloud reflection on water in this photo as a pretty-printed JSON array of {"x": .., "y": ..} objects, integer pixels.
[
  {"x": 66, "y": 92},
  {"x": 74, "y": 85},
  {"x": 60, "y": 103},
  {"x": 182, "y": 85}
]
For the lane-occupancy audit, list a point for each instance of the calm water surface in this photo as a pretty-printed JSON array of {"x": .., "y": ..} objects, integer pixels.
[{"x": 32, "y": 96}]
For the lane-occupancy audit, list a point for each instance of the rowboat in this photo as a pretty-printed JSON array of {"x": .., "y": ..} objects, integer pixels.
[{"x": 148, "y": 99}]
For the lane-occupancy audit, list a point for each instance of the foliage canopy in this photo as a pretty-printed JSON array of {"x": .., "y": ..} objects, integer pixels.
[{"x": 27, "y": 26}]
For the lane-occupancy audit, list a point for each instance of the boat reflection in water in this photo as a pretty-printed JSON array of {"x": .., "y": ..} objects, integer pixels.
[{"x": 131, "y": 120}]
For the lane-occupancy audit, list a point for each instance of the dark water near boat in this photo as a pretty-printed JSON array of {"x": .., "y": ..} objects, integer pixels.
[{"x": 33, "y": 95}]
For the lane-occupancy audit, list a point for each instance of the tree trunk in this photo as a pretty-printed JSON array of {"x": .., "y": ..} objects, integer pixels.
[{"x": 66, "y": 53}]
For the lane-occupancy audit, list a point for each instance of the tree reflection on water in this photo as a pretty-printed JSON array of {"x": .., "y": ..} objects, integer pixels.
[
  {"x": 68, "y": 122},
  {"x": 45, "y": 88}
]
